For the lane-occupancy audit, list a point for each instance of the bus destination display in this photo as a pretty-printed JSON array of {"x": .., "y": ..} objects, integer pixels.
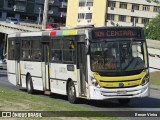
[{"x": 116, "y": 33}]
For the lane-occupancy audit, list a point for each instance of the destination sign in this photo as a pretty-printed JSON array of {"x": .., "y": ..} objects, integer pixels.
[{"x": 117, "y": 33}]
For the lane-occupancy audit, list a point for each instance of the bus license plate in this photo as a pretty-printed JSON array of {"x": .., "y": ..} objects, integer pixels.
[{"x": 122, "y": 92}]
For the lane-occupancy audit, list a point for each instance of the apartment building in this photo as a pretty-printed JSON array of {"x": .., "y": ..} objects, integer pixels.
[
  {"x": 111, "y": 12},
  {"x": 32, "y": 9},
  {"x": 58, "y": 10}
]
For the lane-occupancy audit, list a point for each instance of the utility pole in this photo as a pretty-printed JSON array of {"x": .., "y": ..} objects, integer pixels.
[
  {"x": 45, "y": 15},
  {"x": 39, "y": 16}
]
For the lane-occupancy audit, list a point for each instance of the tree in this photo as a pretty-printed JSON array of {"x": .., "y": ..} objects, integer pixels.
[
  {"x": 156, "y": 1},
  {"x": 152, "y": 30}
]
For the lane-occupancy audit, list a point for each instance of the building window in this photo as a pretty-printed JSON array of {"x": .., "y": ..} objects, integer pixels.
[
  {"x": 122, "y": 18},
  {"x": 89, "y": 3},
  {"x": 156, "y": 9},
  {"x": 146, "y": 8},
  {"x": 61, "y": 0},
  {"x": 145, "y": 20},
  {"x": 111, "y": 4},
  {"x": 29, "y": 0},
  {"x": 135, "y": 6},
  {"x": 81, "y": 4},
  {"x": 110, "y": 17},
  {"x": 10, "y": 3},
  {"x": 88, "y": 15},
  {"x": 123, "y": 5},
  {"x": 0, "y": 14},
  {"x": 134, "y": 19},
  {"x": 81, "y": 15}
]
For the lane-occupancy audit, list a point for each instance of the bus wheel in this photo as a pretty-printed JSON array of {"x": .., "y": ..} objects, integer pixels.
[
  {"x": 71, "y": 92},
  {"x": 124, "y": 101},
  {"x": 29, "y": 85}
]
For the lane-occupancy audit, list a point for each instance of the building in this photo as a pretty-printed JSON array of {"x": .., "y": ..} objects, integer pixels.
[
  {"x": 111, "y": 12},
  {"x": 32, "y": 10},
  {"x": 58, "y": 10}
]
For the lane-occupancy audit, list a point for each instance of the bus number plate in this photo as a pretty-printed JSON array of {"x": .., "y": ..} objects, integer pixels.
[{"x": 122, "y": 92}]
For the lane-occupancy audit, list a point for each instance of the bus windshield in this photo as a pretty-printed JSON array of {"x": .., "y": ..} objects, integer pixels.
[{"x": 118, "y": 56}]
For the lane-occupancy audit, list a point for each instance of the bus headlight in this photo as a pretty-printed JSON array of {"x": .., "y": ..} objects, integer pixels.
[
  {"x": 145, "y": 79},
  {"x": 94, "y": 82}
]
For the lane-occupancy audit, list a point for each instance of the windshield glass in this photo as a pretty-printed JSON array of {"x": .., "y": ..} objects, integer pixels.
[{"x": 118, "y": 56}]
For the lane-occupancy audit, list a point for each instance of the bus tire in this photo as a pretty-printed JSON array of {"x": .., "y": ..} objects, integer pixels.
[
  {"x": 71, "y": 92},
  {"x": 29, "y": 85},
  {"x": 124, "y": 101}
]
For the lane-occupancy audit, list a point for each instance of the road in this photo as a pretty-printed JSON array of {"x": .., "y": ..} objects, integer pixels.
[{"x": 151, "y": 103}]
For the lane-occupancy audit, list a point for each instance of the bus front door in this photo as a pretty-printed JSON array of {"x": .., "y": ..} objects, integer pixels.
[
  {"x": 82, "y": 63},
  {"x": 45, "y": 66},
  {"x": 17, "y": 63}
]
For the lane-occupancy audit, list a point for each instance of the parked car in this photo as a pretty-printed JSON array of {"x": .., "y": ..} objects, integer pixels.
[
  {"x": 3, "y": 64},
  {"x": 53, "y": 26},
  {"x": 12, "y": 20}
]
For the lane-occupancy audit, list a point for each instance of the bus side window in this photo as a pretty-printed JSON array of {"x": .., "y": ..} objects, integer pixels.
[
  {"x": 36, "y": 54},
  {"x": 56, "y": 55},
  {"x": 68, "y": 50},
  {"x": 25, "y": 47},
  {"x": 71, "y": 52},
  {"x": 11, "y": 51},
  {"x": 56, "y": 50},
  {"x": 25, "y": 54},
  {"x": 35, "y": 49}
]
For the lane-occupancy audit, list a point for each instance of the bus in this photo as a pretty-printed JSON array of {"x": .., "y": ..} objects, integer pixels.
[{"x": 94, "y": 63}]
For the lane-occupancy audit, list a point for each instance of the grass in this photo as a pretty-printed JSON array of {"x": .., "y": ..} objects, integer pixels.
[
  {"x": 11, "y": 100},
  {"x": 155, "y": 78}
]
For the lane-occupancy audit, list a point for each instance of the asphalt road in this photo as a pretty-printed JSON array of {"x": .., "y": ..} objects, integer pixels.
[{"x": 149, "y": 104}]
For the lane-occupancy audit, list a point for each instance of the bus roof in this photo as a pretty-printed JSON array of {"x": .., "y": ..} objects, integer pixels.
[
  {"x": 62, "y": 32},
  {"x": 66, "y": 32}
]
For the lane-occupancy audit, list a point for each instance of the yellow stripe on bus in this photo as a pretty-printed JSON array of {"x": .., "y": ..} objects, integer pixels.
[
  {"x": 131, "y": 80},
  {"x": 116, "y": 84}
]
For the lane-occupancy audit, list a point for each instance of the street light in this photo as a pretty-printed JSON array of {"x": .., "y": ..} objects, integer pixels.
[{"x": 39, "y": 17}]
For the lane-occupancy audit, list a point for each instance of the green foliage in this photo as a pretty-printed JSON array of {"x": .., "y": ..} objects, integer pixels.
[
  {"x": 152, "y": 30},
  {"x": 156, "y": 1}
]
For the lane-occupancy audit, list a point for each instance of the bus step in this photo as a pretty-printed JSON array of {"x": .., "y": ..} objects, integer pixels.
[{"x": 47, "y": 92}]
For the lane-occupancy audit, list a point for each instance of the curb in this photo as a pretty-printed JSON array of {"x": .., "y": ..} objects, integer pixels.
[{"x": 155, "y": 87}]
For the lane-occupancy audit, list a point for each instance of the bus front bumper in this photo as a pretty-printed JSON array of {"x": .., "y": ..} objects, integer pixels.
[{"x": 132, "y": 92}]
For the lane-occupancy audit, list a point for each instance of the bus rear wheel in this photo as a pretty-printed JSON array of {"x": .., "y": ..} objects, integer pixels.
[
  {"x": 71, "y": 92},
  {"x": 29, "y": 85},
  {"x": 124, "y": 101}
]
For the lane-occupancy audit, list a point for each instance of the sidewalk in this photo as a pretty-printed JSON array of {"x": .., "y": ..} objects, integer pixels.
[{"x": 155, "y": 87}]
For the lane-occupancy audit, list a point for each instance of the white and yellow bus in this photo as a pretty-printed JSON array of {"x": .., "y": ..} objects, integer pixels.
[{"x": 93, "y": 63}]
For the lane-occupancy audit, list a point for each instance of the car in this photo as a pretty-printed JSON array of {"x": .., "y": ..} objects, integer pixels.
[
  {"x": 12, "y": 20},
  {"x": 3, "y": 64},
  {"x": 53, "y": 26}
]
